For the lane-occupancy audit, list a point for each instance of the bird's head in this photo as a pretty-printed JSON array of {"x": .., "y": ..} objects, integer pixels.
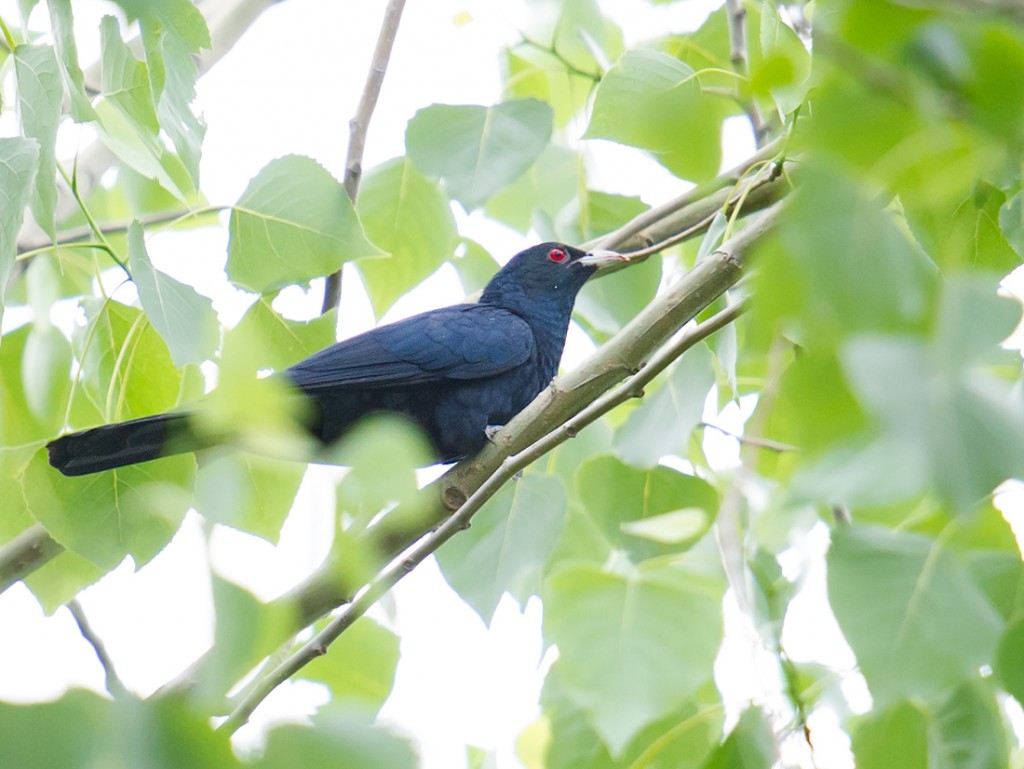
[{"x": 547, "y": 270}]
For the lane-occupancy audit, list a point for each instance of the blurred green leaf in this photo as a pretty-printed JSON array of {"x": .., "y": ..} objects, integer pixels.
[
  {"x": 405, "y": 214},
  {"x": 680, "y": 740},
  {"x": 548, "y": 186},
  {"x": 505, "y": 549},
  {"x": 1009, "y": 665},
  {"x": 248, "y": 492},
  {"x": 283, "y": 342},
  {"x": 184, "y": 318},
  {"x": 246, "y": 631},
  {"x": 478, "y": 150},
  {"x": 359, "y": 667},
  {"x": 612, "y": 494},
  {"x": 653, "y": 101},
  {"x": 909, "y": 609},
  {"x": 33, "y": 385},
  {"x": 40, "y": 97},
  {"x": 850, "y": 266},
  {"x": 83, "y": 730},
  {"x": 662, "y": 423},
  {"x": 475, "y": 266},
  {"x": 780, "y": 65},
  {"x": 104, "y": 517},
  {"x": 336, "y": 740},
  {"x": 19, "y": 160},
  {"x": 293, "y": 223},
  {"x": 962, "y": 731},
  {"x": 750, "y": 745},
  {"x": 627, "y": 626}
]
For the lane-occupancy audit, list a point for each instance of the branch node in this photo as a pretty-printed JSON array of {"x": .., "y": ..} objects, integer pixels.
[{"x": 453, "y": 498}]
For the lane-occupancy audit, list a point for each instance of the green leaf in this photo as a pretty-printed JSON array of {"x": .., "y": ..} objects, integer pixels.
[
  {"x": 19, "y": 160},
  {"x": 405, "y": 214},
  {"x": 33, "y": 386},
  {"x": 293, "y": 223},
  {"x": 174, "y": 108},
  {"x": 368, "y": 683},
  {"x": 963, "y": 731},
  {"x": 246, "y": 631},
  {"x": 680, "y": 740},
  {"x": 547, "y": 187},
  {"x": 780, "y": 66},
  {"x": 283, "y": 342},
  {"x": 1009, "y": 661},
  {"x": 850, "y": 266},
  {"x": 662, "y": 423},
  {"x": 40, "y": 96},
  {"x": 83, "y": 730},
  {"x": 475, "y": 266},
  {"x": 621, "y": 653},
  {"x": 248, "y": 492},
  {"x": 184, "y": 318},
  {"x": 104, "y": 517},
  {"x": 506, "y": 547},
  {"x": 125, "y": 80},
  {"x": 337, "y": 740},
  {"x": 653, "y": 101},
  {"x": 909, "y": 609},
  {"x": 750, "y": 745},
  {"x": 67, "y": 49},
  {"x": 126, "y": 369},
  {"x": 612, "y": 495},
  {"x": 478, "y": 150},
  {"x": 141, "y": 150},
  {"x": 673, "y": 528}
]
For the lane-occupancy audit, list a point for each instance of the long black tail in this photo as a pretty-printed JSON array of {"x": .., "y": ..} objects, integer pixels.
[{"x": 124, "y": 443}]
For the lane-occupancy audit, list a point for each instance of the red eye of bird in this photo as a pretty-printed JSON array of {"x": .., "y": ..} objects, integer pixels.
[{"x": 557, "y": 255}]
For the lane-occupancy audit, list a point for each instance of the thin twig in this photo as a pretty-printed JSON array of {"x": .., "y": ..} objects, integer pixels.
[
  {"x": 459, "y": 520},
  {"x": 360, "y": 122},
  {"x": 552, "y": 51},
  {"x": 761, "y": 443},
  {"x": 114, "y": 684},
  {"x": 737, "y": 16}
]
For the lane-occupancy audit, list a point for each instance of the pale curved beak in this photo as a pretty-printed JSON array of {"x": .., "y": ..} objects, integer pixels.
[{"x": 601, "y": 257}]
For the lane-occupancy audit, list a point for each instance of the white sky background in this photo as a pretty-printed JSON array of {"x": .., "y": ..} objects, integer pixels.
[{"x": 289, "y": 87}]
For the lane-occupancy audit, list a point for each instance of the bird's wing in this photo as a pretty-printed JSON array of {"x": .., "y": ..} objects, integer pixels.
[{"x": 469, "y": 341}]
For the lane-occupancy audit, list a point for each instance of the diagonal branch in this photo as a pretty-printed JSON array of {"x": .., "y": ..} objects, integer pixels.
[
  {"x": 460, "y": 519},
  {"x": 360, "y": 123}
]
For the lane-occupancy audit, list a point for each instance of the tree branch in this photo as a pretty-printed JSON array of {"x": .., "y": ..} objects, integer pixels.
[
  {"x": 360, "y": 123},
  {"x": 737, "y": 16},
  {"x": 25, "y": 553},
  {"x": 113, "y": 682},
  {"x": 460, "y": 519}
]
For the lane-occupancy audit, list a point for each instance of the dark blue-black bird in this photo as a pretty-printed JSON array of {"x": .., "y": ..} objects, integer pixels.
[{"x": 457, "y": 371}]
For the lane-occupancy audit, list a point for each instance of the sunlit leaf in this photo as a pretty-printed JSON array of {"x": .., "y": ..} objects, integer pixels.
[
  {"x": 405, "y": 214},
  {"x": 908, "y": 608},
  {"x": 652, "y": 634},
  {"x": 662, "y": 423},
  {"x": 653, "y": 101},
  {"x": 40, "y": 96},
  {"x": 184, "y": 318},
  {"x": 478, "y": 150},
  {"x": 19, "y": 160},
  {"x": 367, "y": 683},
  {"x": 506, "y": 547},
  {"x": 293, "y": 223}
]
